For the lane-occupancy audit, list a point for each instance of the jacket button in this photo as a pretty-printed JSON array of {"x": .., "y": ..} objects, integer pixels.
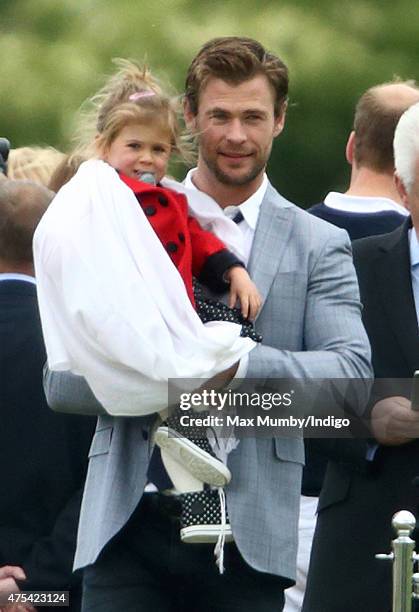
[
  {"x": 171, "y": 247},
  {"x": 181, "y": 236},
  {"x": 163, "y": 200},
  {"x": 150, "y": 210}
]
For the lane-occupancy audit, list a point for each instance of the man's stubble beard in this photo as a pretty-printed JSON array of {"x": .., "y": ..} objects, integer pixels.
[{"x": 231, "y": 181}]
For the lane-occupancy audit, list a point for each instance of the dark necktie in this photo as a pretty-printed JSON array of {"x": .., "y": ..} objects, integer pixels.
[
  {"x": 238, "y": 218},
  {"x": 157, "y": 473}
]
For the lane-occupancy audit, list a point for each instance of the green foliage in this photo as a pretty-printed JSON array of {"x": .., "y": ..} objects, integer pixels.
[{"x": 55, "y": 54}]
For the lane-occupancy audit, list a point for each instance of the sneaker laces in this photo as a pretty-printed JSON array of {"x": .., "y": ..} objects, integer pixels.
[
  {"x": 219, "y": 547},
  {"x": 222, "y": 441}
]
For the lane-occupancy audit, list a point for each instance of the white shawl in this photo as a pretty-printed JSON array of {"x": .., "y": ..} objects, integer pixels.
[{"x": 114, "y": 309}]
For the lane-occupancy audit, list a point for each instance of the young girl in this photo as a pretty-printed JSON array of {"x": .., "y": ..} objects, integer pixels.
[{"x": 136, "y": 133}]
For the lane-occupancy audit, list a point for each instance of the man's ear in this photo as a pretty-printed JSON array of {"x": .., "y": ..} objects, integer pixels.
[
  {"x": 280, "y": 120},
  {"x": 350, "y": 146},
  {"x": 401, "y": 191},
  {"x": 190, "y": 118}
]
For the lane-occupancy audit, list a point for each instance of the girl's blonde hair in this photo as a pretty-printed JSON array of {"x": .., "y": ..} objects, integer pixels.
[
  {"x": 33, "y": 163},
  {"x": 65, "y": 170},
  {"x": 130, "y": 96}
]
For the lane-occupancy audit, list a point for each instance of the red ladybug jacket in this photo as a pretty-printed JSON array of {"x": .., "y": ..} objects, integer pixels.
[{"x": 193, "y": 250}]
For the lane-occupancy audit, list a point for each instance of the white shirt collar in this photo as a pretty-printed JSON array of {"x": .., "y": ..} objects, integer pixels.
[
  {"x": 249, "y": 208},
  {"x": 364, "y": 204},
  {"x": 17, "y": 276},
  {"x": 413, "y": 247}
]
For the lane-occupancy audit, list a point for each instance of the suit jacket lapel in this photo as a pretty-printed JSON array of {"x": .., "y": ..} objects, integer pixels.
[
  {"x": 271, "y": 236},
  {"x": 393, "y": 272}
]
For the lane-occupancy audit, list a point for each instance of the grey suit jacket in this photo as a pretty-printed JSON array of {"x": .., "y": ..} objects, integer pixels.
[{"x": 311, "y": 325}]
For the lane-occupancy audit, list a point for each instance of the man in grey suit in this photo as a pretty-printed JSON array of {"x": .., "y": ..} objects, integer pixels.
[{"x": 128, "y": 545}]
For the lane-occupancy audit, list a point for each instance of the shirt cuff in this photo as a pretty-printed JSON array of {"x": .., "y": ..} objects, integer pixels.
[{"x": 372, "y": 448}]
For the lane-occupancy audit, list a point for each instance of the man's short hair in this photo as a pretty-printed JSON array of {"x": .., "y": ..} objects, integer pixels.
[
  {"x": 22, "y": 204},
  {"x": 235, "y": 59},
  {"x": 406, "y": 146},
  {"x": 374, "y": 125}
]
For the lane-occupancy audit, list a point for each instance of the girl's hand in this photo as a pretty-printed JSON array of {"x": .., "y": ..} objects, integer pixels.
[{"x": 244, "y": 290}]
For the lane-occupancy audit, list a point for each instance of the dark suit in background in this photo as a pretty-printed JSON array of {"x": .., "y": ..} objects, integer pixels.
[
  {"x": 43, "y": 456},
  {"x": 358, "y": 225},
  {"x": 355, "y": 509}
]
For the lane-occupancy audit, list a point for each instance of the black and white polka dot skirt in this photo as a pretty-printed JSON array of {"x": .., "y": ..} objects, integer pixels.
[{"x": 212, "y": 310}]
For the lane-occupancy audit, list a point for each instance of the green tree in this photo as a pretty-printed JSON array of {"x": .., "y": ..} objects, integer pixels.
[{"x": 56, "y": 52}]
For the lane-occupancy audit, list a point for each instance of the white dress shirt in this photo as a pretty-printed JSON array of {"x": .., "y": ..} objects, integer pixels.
[
  {"x": 414, "y": 267},
  {"x": 250, "y": 210}
]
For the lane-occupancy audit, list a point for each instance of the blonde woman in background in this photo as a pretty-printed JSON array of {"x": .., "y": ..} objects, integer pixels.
[{"x": 35, "y": 163}]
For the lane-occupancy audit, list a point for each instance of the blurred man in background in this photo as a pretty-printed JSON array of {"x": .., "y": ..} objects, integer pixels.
[
  {"x": 372, "y": 204},
  {"x": 43, "y": 455}
]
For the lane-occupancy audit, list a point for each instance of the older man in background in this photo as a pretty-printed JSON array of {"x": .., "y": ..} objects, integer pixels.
[
  {"x": 370, "y": 206},
  {"x": 356, "y": 508}
]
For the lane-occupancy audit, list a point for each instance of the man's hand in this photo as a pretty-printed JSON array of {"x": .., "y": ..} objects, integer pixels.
[
  {"x": 12, "y": 571},
  {"x": 18, "y": 607},
  {"x": 393, "y": 421},
  {"x": 8, "y": 576},
  {"x": 243, "y": 289}
]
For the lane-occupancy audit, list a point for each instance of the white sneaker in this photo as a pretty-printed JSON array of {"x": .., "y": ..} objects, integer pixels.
[
  {"x": 201, "y": 518},
  {"x": 195, "y": 454}
]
